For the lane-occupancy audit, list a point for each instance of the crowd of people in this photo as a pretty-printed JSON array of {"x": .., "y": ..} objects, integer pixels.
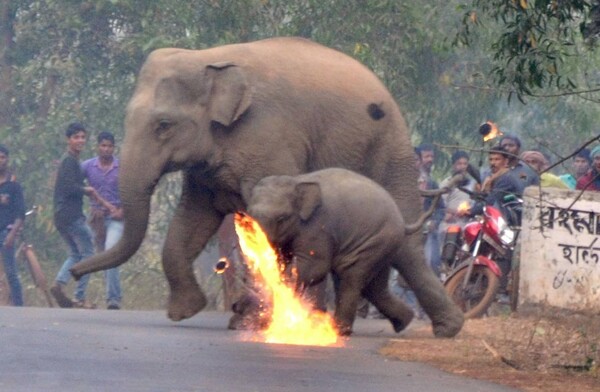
[
  {"x": 509, "y": 171},
  {"x": 96, "y": 178},
  {"x": 590, "y": 181}
]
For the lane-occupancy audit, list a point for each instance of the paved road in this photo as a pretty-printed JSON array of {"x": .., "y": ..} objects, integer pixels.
[{"x": 99, "y": 350}]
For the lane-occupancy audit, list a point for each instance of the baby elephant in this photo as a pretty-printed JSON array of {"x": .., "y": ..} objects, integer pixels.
[{"x": 337, "y": 221}]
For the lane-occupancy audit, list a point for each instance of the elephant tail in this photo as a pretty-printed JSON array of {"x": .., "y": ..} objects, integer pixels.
[
  {"x": 416, "y": 226},
  {"x": 437, "y": 195}
]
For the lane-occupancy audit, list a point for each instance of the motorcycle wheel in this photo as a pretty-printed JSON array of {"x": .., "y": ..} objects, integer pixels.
[{"x": 475, "y": 299}]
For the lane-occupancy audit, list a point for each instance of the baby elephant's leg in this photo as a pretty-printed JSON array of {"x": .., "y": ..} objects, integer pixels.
[
  {"x": 316, "y": 294},
  {"x": 379, "y": 294},
  {"x": 347, "y": 297}
]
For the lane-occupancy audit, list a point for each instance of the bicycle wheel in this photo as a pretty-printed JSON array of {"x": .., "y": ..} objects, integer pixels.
[
  {"x": 478, "y": 295},
  {"x": 39, "y": 278}
]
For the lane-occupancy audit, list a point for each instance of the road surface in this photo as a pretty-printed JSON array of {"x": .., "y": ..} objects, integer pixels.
[{"x": 61, "y": 350}]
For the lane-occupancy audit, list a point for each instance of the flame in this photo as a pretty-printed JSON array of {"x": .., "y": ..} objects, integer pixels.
[
  {"x": 494, "y": 132},
  {"x": 293, "y": 321},
  {"x": 463, "y": 207}
]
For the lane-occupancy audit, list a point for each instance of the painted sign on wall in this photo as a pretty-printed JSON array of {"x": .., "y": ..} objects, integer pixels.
[{"x": 560, "y": 249}]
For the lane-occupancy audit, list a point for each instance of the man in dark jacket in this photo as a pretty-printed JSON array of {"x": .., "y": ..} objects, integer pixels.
[
  {"x": 69, "y": 218},
  {"x": 499, "y": 184},
  {"x": 523, "y": 174},
  {"x": 12, "y": 214}
]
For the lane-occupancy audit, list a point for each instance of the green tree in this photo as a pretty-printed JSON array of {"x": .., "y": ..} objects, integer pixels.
[{"x": 538, "y": 47}]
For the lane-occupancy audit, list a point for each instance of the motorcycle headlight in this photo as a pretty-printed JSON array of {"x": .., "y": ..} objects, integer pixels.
[{"x": 507, "y": 235}]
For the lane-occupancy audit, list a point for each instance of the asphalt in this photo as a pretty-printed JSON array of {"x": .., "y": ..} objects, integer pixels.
[{"x": 102, "y": 350}]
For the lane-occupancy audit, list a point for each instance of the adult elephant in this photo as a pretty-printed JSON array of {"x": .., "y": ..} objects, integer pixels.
[{"x": 231, "y": 115}]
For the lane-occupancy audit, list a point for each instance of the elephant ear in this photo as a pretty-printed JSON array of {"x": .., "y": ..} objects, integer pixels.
[
  {"x": 230, "y": 94},
  {"x": 246, "y": 187},
  {"x": 308, "y": 199}
]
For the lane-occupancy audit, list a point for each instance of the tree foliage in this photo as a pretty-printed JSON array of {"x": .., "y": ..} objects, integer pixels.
[{"x": 535, "y": 43}]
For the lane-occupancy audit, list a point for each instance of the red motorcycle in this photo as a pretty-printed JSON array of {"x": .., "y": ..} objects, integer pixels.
[{"x": 471, "y": 254}]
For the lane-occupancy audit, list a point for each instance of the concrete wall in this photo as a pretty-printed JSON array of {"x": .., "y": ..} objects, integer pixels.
[{"x": 560, "y": 249}]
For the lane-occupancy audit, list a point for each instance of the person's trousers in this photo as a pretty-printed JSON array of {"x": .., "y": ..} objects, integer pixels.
[
  {"x": 433, "y": 251},
  {"x": 114, "y": 231},
  {"x": 10, "y": 269},
  {"x": 78, "y": 237}
]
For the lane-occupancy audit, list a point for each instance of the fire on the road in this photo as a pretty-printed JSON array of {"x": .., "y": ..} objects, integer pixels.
[{"x": 293, "y": 321}]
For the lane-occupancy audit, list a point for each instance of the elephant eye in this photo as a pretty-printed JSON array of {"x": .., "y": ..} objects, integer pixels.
[{"x": 163, "y": 126}]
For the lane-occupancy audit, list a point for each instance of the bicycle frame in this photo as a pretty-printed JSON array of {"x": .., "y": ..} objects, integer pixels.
[{"x": 26, "y": 253}]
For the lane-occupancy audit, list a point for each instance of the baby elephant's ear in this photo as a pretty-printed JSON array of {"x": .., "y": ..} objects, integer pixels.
[{"x": 308, "y": 198}]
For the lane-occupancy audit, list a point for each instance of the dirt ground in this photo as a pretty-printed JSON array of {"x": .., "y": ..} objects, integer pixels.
[{"x": 534, "y": 349}]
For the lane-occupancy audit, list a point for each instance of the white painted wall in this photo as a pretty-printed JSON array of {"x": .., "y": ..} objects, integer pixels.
[{"x": 560, "y": 249}]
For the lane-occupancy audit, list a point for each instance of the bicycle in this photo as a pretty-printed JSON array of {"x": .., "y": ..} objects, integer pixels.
[{"x": 25, "y": 253}]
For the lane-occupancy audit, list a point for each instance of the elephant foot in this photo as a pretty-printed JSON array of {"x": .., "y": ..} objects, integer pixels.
[
  {"x": 344, "y": 331},
  {"x": 240, "y": 322},
  {"x": 343, "y": 328},
  {"x": 250, "y": 313},
  {"x": 185, "y": 304},
  {"x": 400, "y": 324},
  {"x": 448, "y": 326}
]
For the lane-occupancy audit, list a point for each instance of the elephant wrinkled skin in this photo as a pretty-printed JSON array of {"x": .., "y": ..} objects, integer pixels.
[
  {"x": 338, "y": 221},
  {"x": 231, "y": 115}
]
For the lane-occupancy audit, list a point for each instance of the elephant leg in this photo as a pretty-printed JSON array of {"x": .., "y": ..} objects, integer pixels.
[
  {"x": 193, "y": 224},
  {"x": 348, "y": 295},
  {"x": 379, "y": 294},
  {"x": 316, "y": 294},
  {"x": 446, "y": 317},
  {"x": 312, "y": 278}
]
